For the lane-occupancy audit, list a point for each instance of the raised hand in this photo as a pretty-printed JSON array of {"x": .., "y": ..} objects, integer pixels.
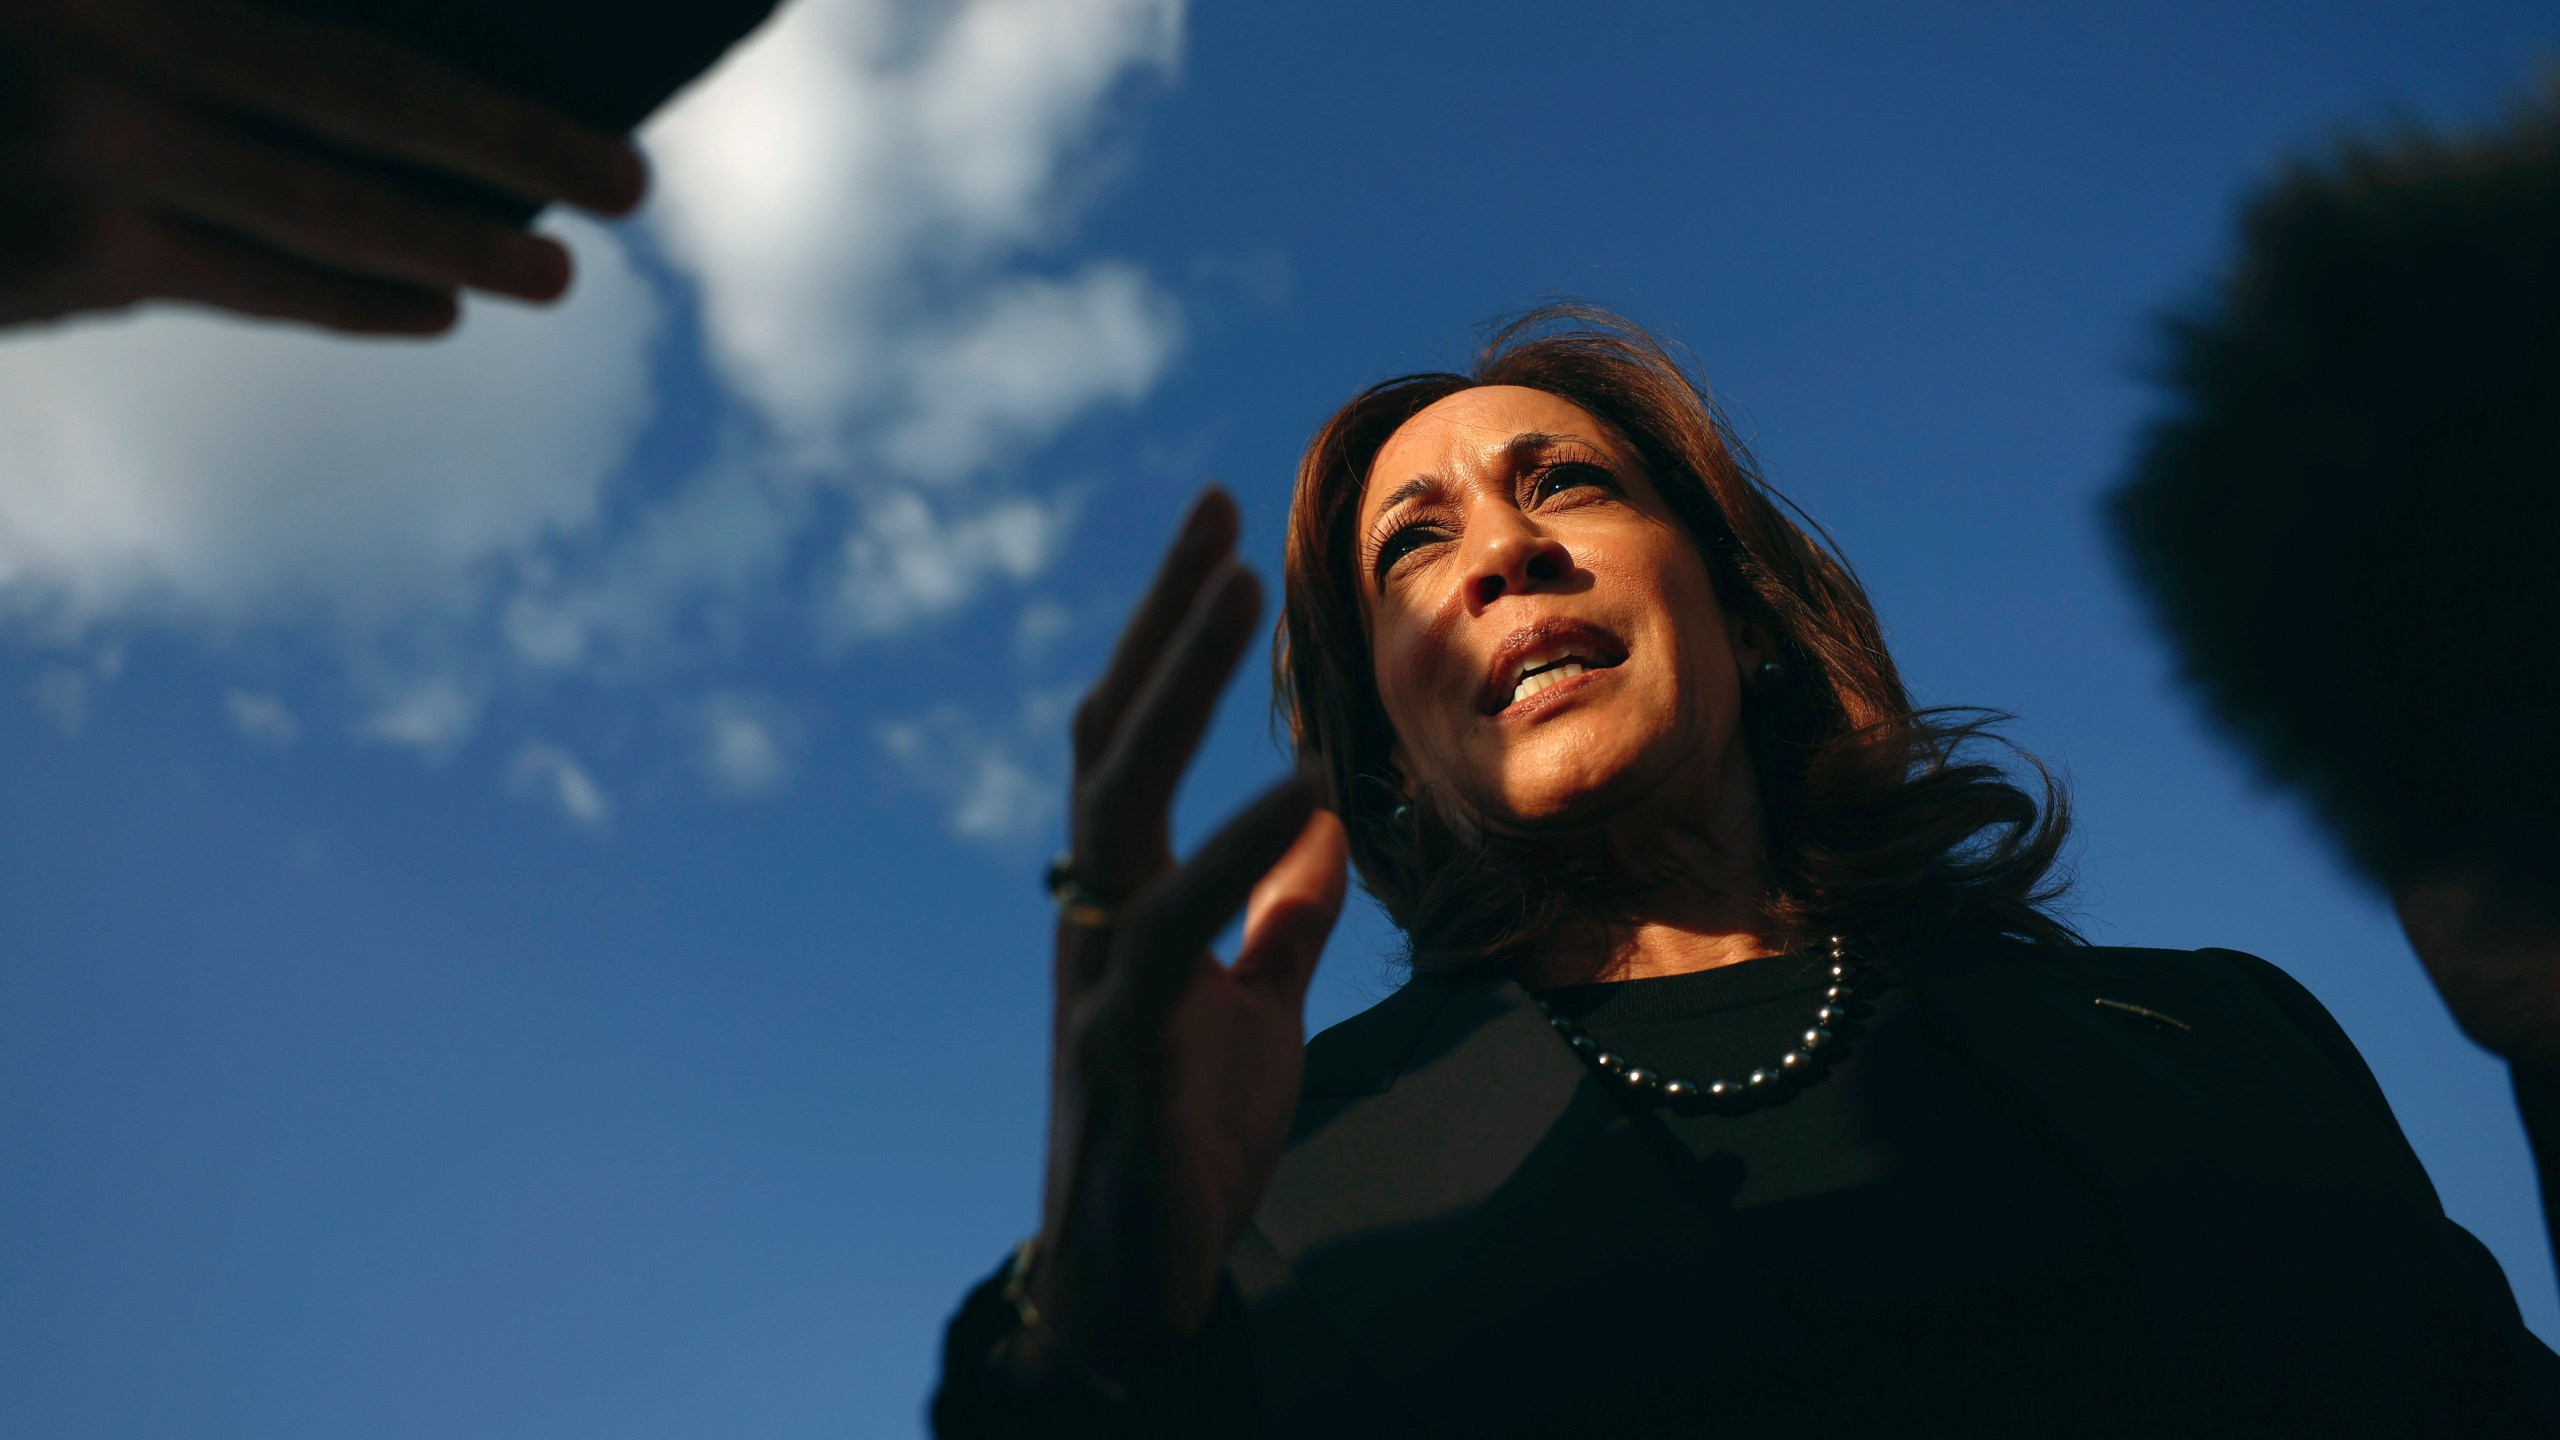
[
  {"x": 211, "y": 152},
  {"x": 1175, "y": 1076}
]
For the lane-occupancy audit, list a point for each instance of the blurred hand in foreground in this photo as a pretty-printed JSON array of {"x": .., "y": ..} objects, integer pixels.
[
  {"x": 1175, "y": 1076},
  {"x": 211, "y": 153}
]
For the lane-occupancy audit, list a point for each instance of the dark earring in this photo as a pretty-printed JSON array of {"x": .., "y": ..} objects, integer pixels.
[
  {"x": 1403, "y": 813},
  {"x": 1770, "y": 674}
]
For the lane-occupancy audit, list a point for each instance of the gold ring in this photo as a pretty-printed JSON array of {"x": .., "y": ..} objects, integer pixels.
[{"x": 1077, "y": 905}]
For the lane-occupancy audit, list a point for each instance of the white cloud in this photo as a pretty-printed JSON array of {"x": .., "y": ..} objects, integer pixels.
[
  {"x": 173, "y": 466},
  {"x": 1038, "y": 354},
  {"x": 999, "y": 799},
  {"x": 552, "y": 775},
  {"x": 907, "y": 563},
  {"x": 866, "y": 201},
  {"x": 429, "y": 713},
  {"x": 850, "y": 184},
  {"x": 747, "y": 744},
  {"x": 263, "y": 718},
  {"x": 998, "y": 784},
  {"x": 710, "y": 554}
]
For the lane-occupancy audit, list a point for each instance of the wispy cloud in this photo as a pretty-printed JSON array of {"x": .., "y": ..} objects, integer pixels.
[
  {"x": 1039, "y": 353},
  {"x": 906, "y": 562},
  {"x": 65, "y": 690},
  {"x": 998, "y": 783},
  {"x": 747, "y": 743},
  {"x": 427, "y": 712},
  {"x": 551, "y": 775},
  {"x": 262, "y": 718}
]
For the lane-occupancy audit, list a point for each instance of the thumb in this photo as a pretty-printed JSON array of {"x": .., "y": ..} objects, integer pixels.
[{"x": 1293, "y": 909}]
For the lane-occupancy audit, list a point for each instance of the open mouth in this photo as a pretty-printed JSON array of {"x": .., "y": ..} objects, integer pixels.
[
  {"x": 1547, "y": 677},
  {"x": 1535, "y": 663}
]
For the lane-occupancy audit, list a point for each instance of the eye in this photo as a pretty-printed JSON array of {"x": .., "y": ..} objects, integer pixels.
[
  {"x": 1570, "y": 475},
  {"x": 1400, "y": 544}
]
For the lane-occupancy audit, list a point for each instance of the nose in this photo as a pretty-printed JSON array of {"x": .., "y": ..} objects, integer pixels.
[{"x": 1508, "y": 555}]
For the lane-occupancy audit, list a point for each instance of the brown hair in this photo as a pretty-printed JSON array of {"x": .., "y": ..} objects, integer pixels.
[{"x": 1875, "y": 826}]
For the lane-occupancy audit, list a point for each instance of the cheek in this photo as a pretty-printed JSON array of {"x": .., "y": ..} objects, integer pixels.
[
  {"x": 1670, "y": 584},
  {"x": 1408, "y": 686},
  {"x": 1707, "y": 660}
]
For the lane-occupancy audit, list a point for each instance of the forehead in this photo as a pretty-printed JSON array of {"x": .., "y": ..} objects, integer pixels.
[{"x": 1472, "y": 431}]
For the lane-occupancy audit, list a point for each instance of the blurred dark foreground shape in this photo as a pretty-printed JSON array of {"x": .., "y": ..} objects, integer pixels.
[
  {"x": 607, "y": 62},
  {"x": 2349, "y": 522},
  {"x": 352, "y": 164}
]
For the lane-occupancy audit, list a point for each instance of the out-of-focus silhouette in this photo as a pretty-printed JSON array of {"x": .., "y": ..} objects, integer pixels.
[
  {"x": 353, "y": 164},
  {"x": 2347, "y": 522}
]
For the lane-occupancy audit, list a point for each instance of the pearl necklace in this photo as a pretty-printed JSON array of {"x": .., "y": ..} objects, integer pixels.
[{"x": 1814, "y": 1052}]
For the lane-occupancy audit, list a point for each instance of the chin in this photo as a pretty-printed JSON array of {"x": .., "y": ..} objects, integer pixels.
[{"x": 1591, "y": 790}]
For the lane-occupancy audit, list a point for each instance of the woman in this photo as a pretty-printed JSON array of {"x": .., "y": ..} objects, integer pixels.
[{"x": 1743, "y": 1081}]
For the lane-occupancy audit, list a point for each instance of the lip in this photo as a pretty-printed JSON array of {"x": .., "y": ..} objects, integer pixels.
[
  {"x": 1560, "y": 693},
  {"x": 1557, "y": 632}
]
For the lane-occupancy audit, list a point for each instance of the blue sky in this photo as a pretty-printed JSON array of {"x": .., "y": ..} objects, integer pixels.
[{"x": 517, "y": 906}]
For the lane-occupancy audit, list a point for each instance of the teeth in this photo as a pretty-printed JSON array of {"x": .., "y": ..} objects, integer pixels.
[{"x": 1531, "y": 684}]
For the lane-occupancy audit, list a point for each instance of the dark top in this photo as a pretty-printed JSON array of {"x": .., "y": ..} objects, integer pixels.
[
  {"x": 1945, "y": 1266},
  {"x": 2163, "y": 1177}
]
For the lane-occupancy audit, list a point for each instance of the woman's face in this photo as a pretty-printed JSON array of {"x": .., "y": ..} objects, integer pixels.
[{"x": 1548, "y": 643}]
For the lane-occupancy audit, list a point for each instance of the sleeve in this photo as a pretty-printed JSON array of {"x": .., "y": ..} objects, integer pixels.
[
  {"x": 1202, "y": 1390},
  {"x": 2467, "y": 1264}
]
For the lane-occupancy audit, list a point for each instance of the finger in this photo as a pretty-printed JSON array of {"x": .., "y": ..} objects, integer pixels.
[
  {"x": 1206, "y": 536},
  {"x": 173, "y": 261},
  {"x": 43, "y": 230},
  {"x": 378, "y": 96},
  {"x": 117, "y": 258},
  {"x": 1164, "y": 931},
  {"x": 1293, "y": 908},
  {"x": 1122, "y": 809},
  {"x": 325, "y": 213}
]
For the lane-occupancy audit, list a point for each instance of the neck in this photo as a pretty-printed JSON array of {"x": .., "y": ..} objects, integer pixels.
[{"x": 1709, "y": 915}]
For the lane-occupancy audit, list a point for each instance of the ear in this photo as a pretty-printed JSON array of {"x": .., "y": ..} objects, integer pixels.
[
  {"x": 1752, "y": 642},
  {"x": 1404, "y": 769}
]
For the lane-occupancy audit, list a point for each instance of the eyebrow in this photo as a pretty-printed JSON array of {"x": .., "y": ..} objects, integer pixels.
[{"x": 1518, "y": 448}]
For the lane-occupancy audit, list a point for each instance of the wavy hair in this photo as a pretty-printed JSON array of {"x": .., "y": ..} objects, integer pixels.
[{"x": 1881, "y": 821}]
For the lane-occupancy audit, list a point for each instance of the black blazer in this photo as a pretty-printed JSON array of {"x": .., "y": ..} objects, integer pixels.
[{"x": 1467, "y": 1225}]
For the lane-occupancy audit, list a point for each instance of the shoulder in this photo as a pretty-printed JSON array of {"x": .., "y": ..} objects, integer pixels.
[
  {"x": 2266, "y": 982},
  {"x": 2229, "y": 974},
  {"x": 2227, "y": 992},
  {"x": 1363, "y": 1054},
  {"x": 2307, "y": 1015}
]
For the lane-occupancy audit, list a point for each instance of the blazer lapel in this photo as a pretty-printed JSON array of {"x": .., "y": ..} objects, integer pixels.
[{"x": 1488, "y": 1227}]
